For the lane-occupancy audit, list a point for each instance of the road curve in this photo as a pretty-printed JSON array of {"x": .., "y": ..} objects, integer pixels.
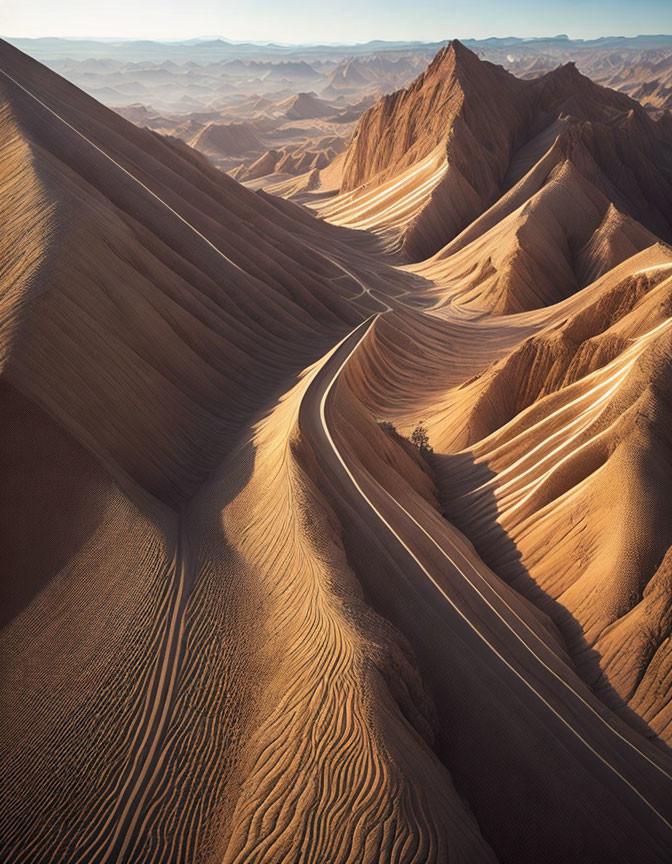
[{"x": 626, "y": 769}]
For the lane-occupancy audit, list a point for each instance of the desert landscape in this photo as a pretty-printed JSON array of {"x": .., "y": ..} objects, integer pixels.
[
  {"x": 267, "y": 114},
  {"x": 336, "y": 452}
]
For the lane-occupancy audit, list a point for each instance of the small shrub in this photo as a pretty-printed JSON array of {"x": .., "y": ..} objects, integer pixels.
[
  {"x": 420, "y": 438},
  {"x": 386, "y": 426}
]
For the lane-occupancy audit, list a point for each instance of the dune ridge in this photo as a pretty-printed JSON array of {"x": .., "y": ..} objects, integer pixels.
[{"x": 482, "y": 130}]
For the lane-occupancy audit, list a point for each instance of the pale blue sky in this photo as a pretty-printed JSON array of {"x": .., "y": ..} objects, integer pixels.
[{"x": 333, "y": 21}]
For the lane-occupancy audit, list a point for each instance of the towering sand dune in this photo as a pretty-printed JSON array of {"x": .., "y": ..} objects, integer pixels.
[
  {"x": 238, "y": 625},
  {"x": 426, "y": 161}
]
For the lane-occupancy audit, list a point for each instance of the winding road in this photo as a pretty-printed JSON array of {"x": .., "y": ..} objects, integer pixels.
[{"x": 619, "y": 759}]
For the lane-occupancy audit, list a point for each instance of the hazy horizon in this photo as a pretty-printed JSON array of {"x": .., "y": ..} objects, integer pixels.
[
  {"x": 261, "y": 42},
  {"x": 358, "y": 22}
]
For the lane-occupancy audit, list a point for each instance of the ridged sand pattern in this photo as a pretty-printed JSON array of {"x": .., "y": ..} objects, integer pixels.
[{"x": 338, "y": 537}]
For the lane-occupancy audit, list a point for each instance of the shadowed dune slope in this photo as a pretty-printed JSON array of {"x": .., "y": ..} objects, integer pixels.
[{"x": 190, "y": 350}]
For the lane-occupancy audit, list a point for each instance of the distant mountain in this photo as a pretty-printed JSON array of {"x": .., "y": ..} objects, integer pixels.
[
  {"x": 474, "y": 131},
  {"x": 230, "y": 139},
  {"x": 305, "y": 106},
  {"x": 49, "y": 48}
]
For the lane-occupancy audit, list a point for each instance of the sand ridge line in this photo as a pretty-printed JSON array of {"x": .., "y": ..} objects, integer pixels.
[{"x": 126, "y": 171}]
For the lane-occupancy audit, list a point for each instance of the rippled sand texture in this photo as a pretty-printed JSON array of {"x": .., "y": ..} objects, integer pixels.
[{"x": 243, "y": 621}]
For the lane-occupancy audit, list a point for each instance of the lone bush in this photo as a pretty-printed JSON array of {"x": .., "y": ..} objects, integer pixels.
[{"x": 420, "y": 438}]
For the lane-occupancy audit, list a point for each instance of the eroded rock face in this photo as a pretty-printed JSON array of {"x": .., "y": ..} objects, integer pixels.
[{"x": 479, "y": 122}]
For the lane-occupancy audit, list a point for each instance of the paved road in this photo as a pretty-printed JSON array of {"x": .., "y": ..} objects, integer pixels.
[{"x": 622, "y": 780}]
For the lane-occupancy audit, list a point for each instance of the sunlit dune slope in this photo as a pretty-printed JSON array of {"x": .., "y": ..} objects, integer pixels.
[
  {"x": 568, "y": 438},
  {"x": 427, "y": 161},
  {"x": 552, "y": 456},
  {"x": 559, "y": 239}
]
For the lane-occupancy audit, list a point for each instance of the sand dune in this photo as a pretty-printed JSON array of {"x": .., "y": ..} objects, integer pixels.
[
  {"x": 246, "y": 618},
  {"x": 483, "y": 131}
]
